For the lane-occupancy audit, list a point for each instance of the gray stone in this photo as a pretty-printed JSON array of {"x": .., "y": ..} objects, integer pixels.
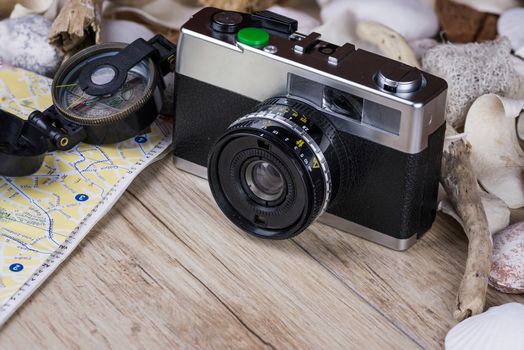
[{"x": 24, "y": 44}]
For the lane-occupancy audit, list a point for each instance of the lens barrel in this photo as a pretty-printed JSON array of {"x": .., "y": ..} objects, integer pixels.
[{"x": 277, "y": 169}]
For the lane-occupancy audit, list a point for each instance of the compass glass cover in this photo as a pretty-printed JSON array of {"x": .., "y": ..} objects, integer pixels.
[{"x": 75, "y": 102}]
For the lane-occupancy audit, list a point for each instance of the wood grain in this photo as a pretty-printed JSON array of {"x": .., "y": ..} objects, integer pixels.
[{"x": 165, "y": 269}]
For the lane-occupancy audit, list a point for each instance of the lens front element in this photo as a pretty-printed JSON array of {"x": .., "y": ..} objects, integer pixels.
[
  {"x": 264, "y": 180},
  {"x": 271, "y": 172}
]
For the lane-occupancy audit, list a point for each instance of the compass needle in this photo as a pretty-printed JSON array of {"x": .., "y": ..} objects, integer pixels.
[
  {"x": 65, "y": 85},
  {"x": 74, "y": 102}
]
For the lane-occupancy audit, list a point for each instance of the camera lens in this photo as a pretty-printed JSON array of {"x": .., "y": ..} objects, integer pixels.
[
  {"x": 264, "y": 180},
  {"x": 276, "y": 170}
]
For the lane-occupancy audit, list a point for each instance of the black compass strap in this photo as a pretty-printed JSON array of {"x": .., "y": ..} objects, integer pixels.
[{"x": 22, "y": 146}]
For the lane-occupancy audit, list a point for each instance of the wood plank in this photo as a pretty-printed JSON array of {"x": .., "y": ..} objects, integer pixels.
[
  {"x": 165, "y": 269},
  {"x": 273, "y": 286},
  {"x": 121, "y": 289},
  {"x": 416, "y": 288}
]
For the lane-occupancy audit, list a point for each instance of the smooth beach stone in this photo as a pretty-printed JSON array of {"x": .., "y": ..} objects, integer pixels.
[
  {"x": 412, "y": 19},
  {"x": 24, "y": 44},
  {"x": 507, "y": 271}
]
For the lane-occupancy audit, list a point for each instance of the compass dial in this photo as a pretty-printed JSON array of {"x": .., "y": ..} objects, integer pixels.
[{"x": 78, "y": 106}]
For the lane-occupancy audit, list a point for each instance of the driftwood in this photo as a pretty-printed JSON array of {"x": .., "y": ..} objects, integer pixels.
[
  {"x": 77, "y": 25},
  {"x": 461, "y": 186}
]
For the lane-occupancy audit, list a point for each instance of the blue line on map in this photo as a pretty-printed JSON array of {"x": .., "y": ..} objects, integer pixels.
[
  {"x": 95, "y": 163},
  {"x": 82, "y": 175},
  {"x": 50, "y": 226},
  {"x": 23, "y": 244}
]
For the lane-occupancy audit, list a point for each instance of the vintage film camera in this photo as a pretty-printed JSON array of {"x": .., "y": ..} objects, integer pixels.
[{"x": 289, "y": 128}]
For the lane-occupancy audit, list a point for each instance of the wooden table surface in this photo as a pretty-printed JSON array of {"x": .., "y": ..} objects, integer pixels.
[{"x": 165, "y": 269}]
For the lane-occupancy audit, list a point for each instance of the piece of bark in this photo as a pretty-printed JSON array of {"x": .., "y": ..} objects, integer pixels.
[
  {"x": 77, "y": 25},
  {"x": 461, "y": 186},
  {"x": 464, "y": 24}
]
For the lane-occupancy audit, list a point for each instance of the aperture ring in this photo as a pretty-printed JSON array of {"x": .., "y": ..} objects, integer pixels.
[{"x": 286, "y": 117}]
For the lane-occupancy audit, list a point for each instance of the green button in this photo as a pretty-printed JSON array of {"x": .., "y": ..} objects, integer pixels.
[{"x": 255, "y": 37}]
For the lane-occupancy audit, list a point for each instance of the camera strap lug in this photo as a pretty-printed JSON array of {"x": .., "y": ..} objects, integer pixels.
[{"x": 61, "y": 134}]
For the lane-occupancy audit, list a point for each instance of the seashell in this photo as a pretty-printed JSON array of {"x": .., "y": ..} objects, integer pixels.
[
  {"x": 471, "y": 71},
  {"x": 511, "y": 25},
  {"x": 499, "y": 328},
  {"x": 490, "y": 6},
  {"x": 24, "y": 44},
  {"x": 497, "y": 212},
  {"x": 412, "y": 19},
  {"x": 496, "y": 155},
  {"x": 391, "y": 43},
  {"x": 507, "y": 271}
]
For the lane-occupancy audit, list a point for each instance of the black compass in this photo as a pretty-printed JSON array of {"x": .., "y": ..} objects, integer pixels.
[{"x": 104, "y": 94}]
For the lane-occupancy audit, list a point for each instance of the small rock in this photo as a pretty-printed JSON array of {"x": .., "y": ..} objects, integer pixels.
[
  {"x": 24, "y": 44},
  {"x": 507, "y": 271},
  {"x": 412, "y": 19}
]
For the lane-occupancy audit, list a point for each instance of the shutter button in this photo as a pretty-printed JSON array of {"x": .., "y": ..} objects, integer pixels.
[
  {"x": 399, "y": 78},
  {"x": 227, "y": 21}
]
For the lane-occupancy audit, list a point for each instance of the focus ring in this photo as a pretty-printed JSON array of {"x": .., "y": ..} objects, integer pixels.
[{"x": 280, "y": 117}]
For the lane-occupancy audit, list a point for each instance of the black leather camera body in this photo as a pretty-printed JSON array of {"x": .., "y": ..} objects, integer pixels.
[{"x": 289, "y": 129}]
